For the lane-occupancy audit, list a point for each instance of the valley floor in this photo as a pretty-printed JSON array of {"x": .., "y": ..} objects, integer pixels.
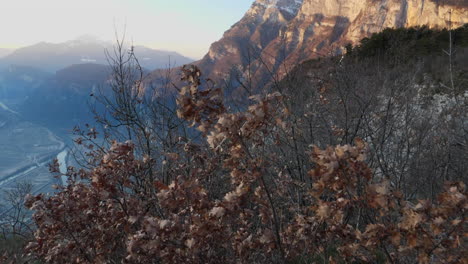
[{"x": 26, "y": 150}]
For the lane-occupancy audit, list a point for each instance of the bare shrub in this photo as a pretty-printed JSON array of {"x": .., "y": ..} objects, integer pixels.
[{"x": 233, "y": 200}]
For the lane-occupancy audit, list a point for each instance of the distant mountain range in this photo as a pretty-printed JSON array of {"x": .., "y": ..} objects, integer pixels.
[
  {"x": 51, "y": 83},
  {"x": 54, "y": 56}
]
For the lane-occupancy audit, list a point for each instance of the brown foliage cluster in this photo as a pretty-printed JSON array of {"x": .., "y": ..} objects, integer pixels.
[{"x": 232, "y": 202}]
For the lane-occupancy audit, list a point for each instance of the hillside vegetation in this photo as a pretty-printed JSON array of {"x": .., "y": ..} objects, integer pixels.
[{"x": 359, "y": 158}]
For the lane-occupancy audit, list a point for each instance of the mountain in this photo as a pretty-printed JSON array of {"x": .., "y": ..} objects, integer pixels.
[
  {"x": 63, "y": 100},
  {"x": 18, "y": 82},
  {"x": 275, "y": 35},
  {"x": 54, "y": 56}
]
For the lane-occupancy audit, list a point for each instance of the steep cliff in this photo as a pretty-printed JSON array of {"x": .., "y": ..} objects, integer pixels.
[{"x": 274, "y": 35}]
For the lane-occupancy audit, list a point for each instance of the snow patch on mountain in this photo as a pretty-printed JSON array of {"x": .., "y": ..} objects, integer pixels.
[{"x": 87, "y": 60}]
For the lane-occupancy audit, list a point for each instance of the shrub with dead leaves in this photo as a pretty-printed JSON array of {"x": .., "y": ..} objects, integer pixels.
[{"x": 259, "y": 215}]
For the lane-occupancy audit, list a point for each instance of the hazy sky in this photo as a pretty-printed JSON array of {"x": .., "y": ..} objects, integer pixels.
[{"x": 186, "y": 26}]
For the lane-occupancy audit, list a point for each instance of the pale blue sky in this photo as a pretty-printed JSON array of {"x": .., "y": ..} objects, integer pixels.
[{"x": 186, "y": 26}]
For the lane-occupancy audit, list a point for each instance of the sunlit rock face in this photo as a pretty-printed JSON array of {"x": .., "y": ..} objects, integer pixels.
[{"x": 274, "y": 35}]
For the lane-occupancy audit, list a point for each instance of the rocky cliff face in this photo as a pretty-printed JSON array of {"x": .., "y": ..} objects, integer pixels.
[{"x": 274, "y": 35}]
